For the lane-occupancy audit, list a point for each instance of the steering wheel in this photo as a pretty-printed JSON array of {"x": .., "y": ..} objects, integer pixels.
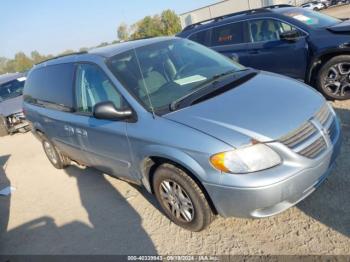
[{"x": 181, "y": 69}]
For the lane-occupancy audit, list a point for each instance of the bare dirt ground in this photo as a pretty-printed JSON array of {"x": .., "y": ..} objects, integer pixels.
[
  {"x": 342, "y": 11},
  {"x": 79, "y": 211}
]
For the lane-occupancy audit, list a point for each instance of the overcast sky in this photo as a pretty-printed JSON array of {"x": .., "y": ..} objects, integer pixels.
[{"x": 52, "y": 26}]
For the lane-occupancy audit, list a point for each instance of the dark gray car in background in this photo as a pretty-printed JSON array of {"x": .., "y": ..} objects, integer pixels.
[{"x": 11, "y": 113}]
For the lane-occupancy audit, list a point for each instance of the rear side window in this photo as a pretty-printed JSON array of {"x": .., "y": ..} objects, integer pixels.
[
  {"x": 202, "y": 37},
  {"x": 51, "y": 85},
  {"x": 228, "y": 34}
]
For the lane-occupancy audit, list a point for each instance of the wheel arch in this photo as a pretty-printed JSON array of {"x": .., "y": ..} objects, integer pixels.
[
  {"x": 39, "y": 133},
  {"x": 320, "y": 60},
  {"x": 186, "y": 163}
]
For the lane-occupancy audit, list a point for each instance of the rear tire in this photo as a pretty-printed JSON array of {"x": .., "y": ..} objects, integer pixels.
[
  {"x": 56, "y": 159},
  {"x": 3, "y": 126},
  {"x": 181, "y": 198},
  {"x": 333, "y": 79}
]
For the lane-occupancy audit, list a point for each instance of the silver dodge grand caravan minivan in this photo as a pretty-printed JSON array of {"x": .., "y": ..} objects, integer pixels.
[{"x": 204, "y": 134}]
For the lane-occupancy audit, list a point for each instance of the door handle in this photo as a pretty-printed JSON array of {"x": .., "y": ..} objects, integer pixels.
[
  {"x": 234, "y": 57},
  {"x": 81, "y": 132},
  {"x": 253, "y": 52},
  {"x": 69, "y": 130}
]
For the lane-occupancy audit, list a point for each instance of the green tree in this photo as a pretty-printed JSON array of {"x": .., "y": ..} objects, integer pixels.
[
  {"x": 10, "y": 66},
  {"x": 123, "y": 32},
  {"x": 170, "y": 22},
  {"x": 67, "y": 52},
  {"x": 22, "y": 62},
  {"x": 103, "y": 44},
  {"x": 3, "y": 63},
  {"x": 83, "y": 49},
  {"x": 36, "y": 57},
  {"x": 147, "y": 27}
]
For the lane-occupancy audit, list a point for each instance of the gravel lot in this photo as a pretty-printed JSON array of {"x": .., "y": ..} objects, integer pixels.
[
  {"x": 342, "y": 11},
  {"x": 79, "y": 211}
]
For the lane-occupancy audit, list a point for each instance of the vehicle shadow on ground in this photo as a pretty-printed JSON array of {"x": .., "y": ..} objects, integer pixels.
[
  {"x": 115, "y": 227},
  {"x": 330, "y": 204},
  {"x": 4, "y": 200}
]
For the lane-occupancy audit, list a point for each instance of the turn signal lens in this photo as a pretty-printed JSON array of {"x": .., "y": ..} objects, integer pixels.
[{"x": 218, "y": 161}]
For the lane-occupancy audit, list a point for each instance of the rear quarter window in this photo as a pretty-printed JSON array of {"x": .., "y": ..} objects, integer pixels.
[
  {"x": 228, "y": 34},
  {"x": 51, "y": 85}
]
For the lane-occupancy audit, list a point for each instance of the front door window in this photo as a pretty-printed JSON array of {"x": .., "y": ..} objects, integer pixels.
[{"x": 92, "y": 87}]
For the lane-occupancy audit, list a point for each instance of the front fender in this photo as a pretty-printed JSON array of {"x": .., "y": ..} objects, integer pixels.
[{"x": 172, "y": 154}]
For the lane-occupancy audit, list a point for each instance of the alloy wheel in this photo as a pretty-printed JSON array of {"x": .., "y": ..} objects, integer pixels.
[
  {"x": 337, "y": 80},
  {"x": 176, "y": 200},
  {"x": 50, "y": 152}
]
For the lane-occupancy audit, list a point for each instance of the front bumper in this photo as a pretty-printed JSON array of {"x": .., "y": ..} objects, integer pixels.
[
  {"x": 17, "y": 122},
  {"x": 273, "y": 195}
]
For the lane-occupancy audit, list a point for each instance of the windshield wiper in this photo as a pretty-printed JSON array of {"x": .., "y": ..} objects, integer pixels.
[
  {"x": 218, "y": 76},
  {"x": 214, "y": 79}
]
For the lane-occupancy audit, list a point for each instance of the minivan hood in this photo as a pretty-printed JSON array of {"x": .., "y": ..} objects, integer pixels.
[
  {"x": 264, "y": 108},
  {"x": 11, "y": 106},
  {"x": 342, "y": 27}
]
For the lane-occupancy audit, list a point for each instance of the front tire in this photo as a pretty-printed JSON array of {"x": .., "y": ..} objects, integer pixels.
[
  {"x": 334, "y": 78},
  {"x": 181, "y": 198},
  {"x": 52, "y": 154}
]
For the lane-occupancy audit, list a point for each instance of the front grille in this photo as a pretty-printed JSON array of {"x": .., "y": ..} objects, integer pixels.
[
  {"x": 332, "y": 131},
  {"x": 315, "y": 149},
  {"x": 19, "y": 115},
  {"x": 299, "y": 136},
  {"x": 323, "y": 115},
  {"x": 308, "y": 140}
]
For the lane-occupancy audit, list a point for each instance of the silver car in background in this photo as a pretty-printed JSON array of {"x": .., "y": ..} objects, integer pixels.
[
  {"x": 204, "y": 134},
  {"x": 11, "y": 114}
]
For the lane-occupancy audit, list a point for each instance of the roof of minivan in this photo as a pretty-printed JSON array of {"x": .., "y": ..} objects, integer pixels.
[
  {"x": 9, "y": 77},
  {"x": 111, "y": 50},
  {"x": 106, "y": 51}
]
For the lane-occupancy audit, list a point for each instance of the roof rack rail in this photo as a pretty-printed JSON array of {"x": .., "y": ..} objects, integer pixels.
[
  {"x": 245, "y": 12},
  {"x": 277, "y": 6},
  {"x": 59, "y": 56}
]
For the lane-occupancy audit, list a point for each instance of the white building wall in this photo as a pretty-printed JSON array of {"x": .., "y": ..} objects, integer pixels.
[{"x": 227, "y": 7}]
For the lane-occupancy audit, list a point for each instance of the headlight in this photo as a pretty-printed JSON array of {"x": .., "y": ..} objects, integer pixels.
[{"x": 246, "y": 160}]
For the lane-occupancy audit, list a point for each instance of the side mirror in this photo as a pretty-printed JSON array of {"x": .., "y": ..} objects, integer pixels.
[
  {"x": 107, "y": 110},
  {"x": 290, "y": 36},
  {"x": 234, "y": 57}
]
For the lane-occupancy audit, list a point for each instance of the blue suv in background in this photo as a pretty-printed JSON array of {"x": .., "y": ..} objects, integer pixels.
[{"x": 292, "y": 41}]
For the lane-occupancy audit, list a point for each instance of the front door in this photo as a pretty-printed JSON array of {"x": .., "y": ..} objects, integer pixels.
[
  {"x": 269, "y": 53},
  {"x": 104, "y": 142}
]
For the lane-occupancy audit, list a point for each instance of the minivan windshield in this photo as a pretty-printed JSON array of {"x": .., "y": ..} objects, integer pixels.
[
  {"x": 161, "y": 73},
  {"x": 311, "y": 18},
  {"x": 11, "y": 89}
]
